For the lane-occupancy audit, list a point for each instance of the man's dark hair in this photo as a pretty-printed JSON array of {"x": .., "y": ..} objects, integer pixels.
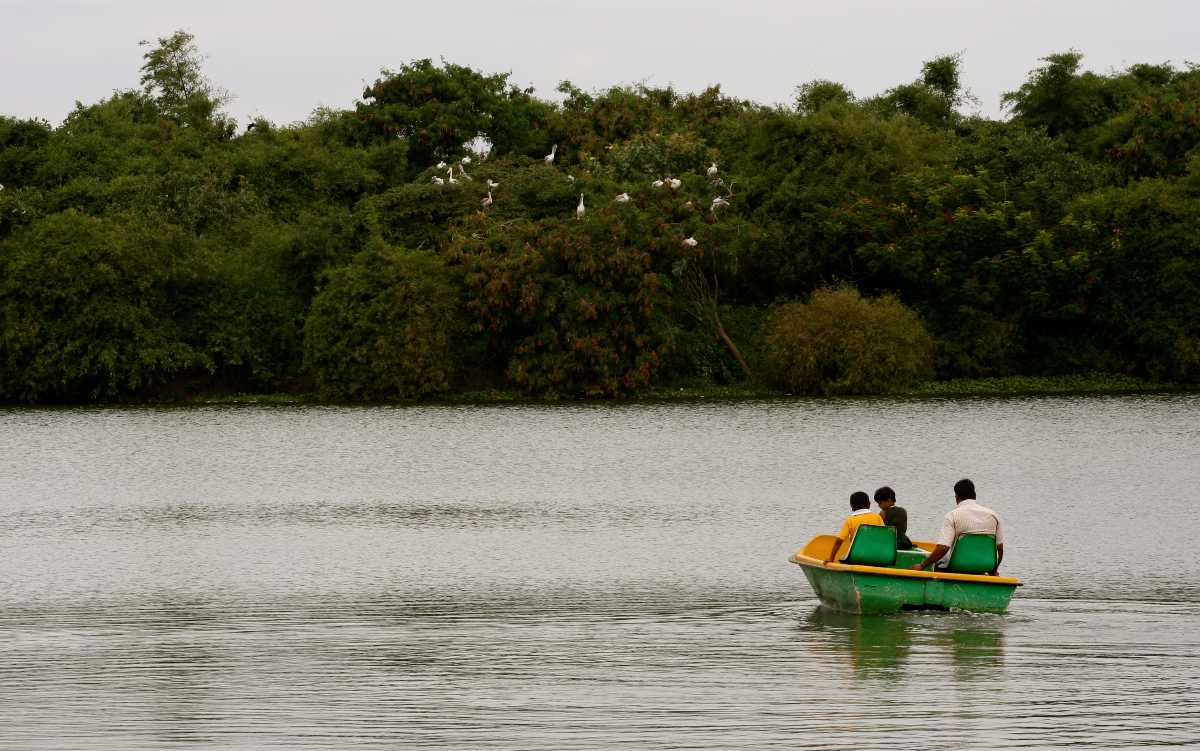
[
  {"x": 885, "y": 494},
  {"x": 964, "y": 488},
  {"x": 859, "y": 500}
]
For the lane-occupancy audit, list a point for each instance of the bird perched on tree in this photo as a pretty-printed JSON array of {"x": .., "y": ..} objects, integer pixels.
[
  {"x": 438, "y": 181},
  {"x": 658, "y": 183},
  {"x": 491, "y": 185},
  {"x": 549, "y": 158},
  {"x": 622, "y": 198},
  {"x": 450, "y": 176},
  {"x": 465, "y": 160},
  {"x": 674, "y": 183},
  {"x": 570, "y": 178},
  {"x": 579, "y": 210},
  {"x": 488, "y": 200},
  {"x": 718, "y": 203},
  {"x": 690, "y": 242},
  {"x": 441, "y": 165},
  {"x": 712, "y": 170}
]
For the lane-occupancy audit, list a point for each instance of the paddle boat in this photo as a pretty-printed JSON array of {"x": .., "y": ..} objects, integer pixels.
[{"x": 870, "y": 576}]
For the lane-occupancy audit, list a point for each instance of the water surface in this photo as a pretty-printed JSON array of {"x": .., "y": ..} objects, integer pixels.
[{"x": 563, "y": 577}]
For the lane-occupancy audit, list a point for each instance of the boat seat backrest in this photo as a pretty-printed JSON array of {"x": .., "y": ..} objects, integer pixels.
[
  {"x": 871, "y": 546},
  {"x": 973, "y": 554}
]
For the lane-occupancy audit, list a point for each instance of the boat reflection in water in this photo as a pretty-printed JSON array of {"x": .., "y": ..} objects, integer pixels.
[{"x": 890, "y": 646}]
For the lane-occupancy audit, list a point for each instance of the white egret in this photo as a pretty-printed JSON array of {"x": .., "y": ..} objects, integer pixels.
[
  {"x": 441, "y": 165},
  {"x": 549, "y": 158},
  {"x": 690, "y": 242},
  {"x": 487, "y": 201},
  {"x": 622, "y": 198},
  {"x": 712, "y": 170},
  {"x": 579, "y": 210},
  {"x": 466, "y": 160},
  {"x": 658, "y": 183},
  {"x": 674, "y": 183},
  {"x": 491, "y": 185},
  {"x": 718, "y": 203},
  {"x": 570, "y": 178},
  {"x": 450, "y": 177},
  {"x": 438, "y": 181}
]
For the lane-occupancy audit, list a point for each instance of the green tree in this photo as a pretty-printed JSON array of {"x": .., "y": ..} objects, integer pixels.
[
  {"x": 437, "y": 110},
  {"x": 173, "y": 76},
  {"x": 87, "y": 309},
  {"x": 387, "y": 326},
  {"x": 573, "y": 307},
  {"x": 812, "y": 96}
]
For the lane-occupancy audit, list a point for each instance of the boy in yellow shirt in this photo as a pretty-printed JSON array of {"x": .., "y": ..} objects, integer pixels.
[{"x": 860, "y": 514}]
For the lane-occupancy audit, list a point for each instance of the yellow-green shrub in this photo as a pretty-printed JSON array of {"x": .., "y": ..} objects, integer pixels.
[{"x": 842, "y": 343}]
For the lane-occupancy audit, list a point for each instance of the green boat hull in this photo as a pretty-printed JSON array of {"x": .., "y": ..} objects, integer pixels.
[{"x": 879, "y": 593}]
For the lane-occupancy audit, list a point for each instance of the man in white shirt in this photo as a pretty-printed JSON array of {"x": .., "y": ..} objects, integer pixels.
[{"x": 968, "y": 517}]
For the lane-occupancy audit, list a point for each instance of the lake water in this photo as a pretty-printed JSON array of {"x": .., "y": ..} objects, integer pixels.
[{"x": 586, "y": 577}]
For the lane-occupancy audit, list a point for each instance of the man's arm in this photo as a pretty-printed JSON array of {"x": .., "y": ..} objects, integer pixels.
[
  {"x": 999, "y": 557},
  {"x": 932, "y": 558},
  {"x": 945, "y": 540}
]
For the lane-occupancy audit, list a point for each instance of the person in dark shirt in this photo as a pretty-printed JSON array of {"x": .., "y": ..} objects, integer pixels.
[{"x": 893, "y": 516}]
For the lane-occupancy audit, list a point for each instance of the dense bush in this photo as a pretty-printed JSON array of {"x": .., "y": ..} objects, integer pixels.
[
  {"x": 386, "y": 326},
  {"x": 842, "y": 343},
  {"x": 577, "y": 308},
  {"x": 88, "y": 309}
]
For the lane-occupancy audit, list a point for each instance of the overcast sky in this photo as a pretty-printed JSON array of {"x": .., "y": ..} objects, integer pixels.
[{"x": 281, "y": 59}]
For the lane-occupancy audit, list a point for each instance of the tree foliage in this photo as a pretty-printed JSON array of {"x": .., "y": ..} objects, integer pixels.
[
  {"x": 842, "y": 343},
  {"x": 386, "y": 326},
  {"x": 417, "y": 241}
]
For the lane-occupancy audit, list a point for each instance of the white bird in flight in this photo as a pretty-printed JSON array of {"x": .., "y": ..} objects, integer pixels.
[
  {"x": 622, "y": 198},
  {"x": 718, "y": 203},
  {"x": 549, "y": 158},
  {"x": 690, "y": 242},
  {"x": 487, "y": 201},
  {"x": 580, "y": 209},
  {"x": 712, "y": 170}
]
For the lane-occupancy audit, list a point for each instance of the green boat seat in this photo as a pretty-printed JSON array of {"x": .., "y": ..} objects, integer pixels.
[
  {"x": 872, "y": 546},
  {"x": 973, "y": 554}
]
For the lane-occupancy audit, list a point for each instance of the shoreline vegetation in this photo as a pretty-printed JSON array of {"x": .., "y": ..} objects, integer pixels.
[
  {"x": 451, "y": 237},
  {"x": 1093, "y": 384}
]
